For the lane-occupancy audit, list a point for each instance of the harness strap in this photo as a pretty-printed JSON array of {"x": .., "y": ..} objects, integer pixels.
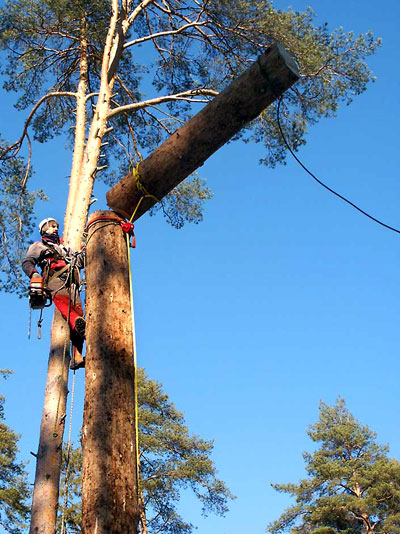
[{"x": 58, "y": 273}]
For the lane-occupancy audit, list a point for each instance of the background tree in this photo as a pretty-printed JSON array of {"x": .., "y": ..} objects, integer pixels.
[
  {"x": 16, "y": 220},
  {"x": 352, "y": 486},
  {"x": 14, "y": 488},
  {"x": 171, "y": 460}
]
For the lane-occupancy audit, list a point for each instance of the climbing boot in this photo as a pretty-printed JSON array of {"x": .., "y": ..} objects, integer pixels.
[
  {"x": 77, "y": 360},
  {"x": 80, "y": 326}
]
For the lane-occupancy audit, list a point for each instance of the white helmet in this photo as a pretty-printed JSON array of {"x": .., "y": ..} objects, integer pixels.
[{"x": 45, "y": 221}]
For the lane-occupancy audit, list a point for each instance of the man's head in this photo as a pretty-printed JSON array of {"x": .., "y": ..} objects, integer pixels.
[{"x": 48, "y": 226}]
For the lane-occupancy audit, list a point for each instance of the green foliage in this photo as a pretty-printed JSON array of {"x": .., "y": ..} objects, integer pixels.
[
  {"x": 185, "y": 202},
  {"x": 171, "y": 461},
  {"x": 16, "y": 221},
  {"x": 70, "y": 510},
  {"x": 352, "y": 486},
  {"x": 41, "y": 38},
  {"x": 14, "y": 488}
]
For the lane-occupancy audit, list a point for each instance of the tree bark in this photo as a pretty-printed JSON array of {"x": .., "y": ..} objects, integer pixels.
[
  {"x": 189, "y": 147},
  {"x": 46, "y": 488},
  {"x": 109, "y": 482}
]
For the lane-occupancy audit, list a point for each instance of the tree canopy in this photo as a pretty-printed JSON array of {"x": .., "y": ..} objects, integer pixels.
[
  {"x": 171, "y": 461},
  {"x": 130, "y": 72},
  {"x": 14, "y": 488},
  {"x": 352, "y": 485}
]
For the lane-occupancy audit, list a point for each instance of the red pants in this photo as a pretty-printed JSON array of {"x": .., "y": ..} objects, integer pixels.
[
  {"x": 68, "y": 302},
  {"x": 74, "y": 310}
]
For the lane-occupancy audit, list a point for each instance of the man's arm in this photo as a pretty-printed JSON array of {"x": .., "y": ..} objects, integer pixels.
[{"x": 31, "y": 260}]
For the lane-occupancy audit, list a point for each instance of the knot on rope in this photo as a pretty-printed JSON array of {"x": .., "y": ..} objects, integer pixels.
[
  {"x": 140, "y": 186},
  {"x": 128, "y": 228}
]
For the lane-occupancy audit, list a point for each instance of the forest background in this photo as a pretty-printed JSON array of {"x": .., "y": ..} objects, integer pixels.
[{"x": 282, "y": 296}]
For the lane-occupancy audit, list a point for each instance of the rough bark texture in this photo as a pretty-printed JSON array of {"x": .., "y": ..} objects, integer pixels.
[
  {"x": 46, "y": 488},
  {"x": 189, "y": 147},
  {"x": 109, "y": 486}
]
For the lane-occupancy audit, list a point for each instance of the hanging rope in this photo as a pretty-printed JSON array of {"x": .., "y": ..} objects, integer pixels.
[
  {"x": 61, "y": 377},
  {"x": 68, "y": 458},
  {"x": 134, "y": 366}
]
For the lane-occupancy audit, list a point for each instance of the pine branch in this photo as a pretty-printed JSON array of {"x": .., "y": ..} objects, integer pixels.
[{"x": 185, "y": 95}]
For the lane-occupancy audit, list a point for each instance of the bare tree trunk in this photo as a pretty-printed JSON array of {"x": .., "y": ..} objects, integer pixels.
[
  {"x": 190, "y": 146},
  {"x": 46, "y": 488},
  {"x": 70, "y": 232},
  {"x": 143, "y": 518},
  {"x": 109, "y": 482},
  {"x": 84, "y": 167}
]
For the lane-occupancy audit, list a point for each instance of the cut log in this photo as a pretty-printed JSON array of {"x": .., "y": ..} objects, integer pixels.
[{"x": 190, "y": 146}]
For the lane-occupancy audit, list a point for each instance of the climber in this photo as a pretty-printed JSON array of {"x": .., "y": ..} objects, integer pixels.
[{"x": 60, "y": 271}]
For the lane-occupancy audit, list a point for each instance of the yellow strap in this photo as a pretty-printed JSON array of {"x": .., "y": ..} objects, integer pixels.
[
  {"x": 145, "y": 194},
  {"x": 134, "y": 363},
  {"x": 141, "y": 188}
]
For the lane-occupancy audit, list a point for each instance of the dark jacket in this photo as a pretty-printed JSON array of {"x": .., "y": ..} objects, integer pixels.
[{"x": 49, "y": 255}]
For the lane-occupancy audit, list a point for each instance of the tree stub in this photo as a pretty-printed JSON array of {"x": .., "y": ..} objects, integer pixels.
[
  {"x": 190, "y": 146},
  {"x": 109, "y": 482}
]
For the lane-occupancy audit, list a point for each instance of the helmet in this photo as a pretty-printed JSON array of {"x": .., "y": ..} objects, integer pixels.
[{"x": 45, "y": 221}]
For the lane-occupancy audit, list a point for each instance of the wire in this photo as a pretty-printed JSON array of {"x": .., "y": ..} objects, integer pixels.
[{"x": 321, "y": 183}]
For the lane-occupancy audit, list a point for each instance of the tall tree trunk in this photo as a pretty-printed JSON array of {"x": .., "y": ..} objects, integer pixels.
[
  {"x": 84, "y": 167},
  {"x": 143, "y": 518},
  {"x": 109, "y": 482},
  {"x": 46, "y": 488},
  {"x": 70, "y": 232}
]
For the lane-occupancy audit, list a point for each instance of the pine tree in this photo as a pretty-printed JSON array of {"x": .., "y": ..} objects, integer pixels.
[
  {"x": 77, "y": 66},
  {"x": 14, "y": 488},
  {"x": 172, "y": 461},
  {"x": 352, "y": 485}
]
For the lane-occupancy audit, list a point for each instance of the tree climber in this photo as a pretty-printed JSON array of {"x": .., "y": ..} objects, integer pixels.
[{"x": 60, "y": 271}]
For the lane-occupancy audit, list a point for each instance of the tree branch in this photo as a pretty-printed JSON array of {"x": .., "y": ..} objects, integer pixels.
[
  {"x": 17, "y": 145},
  {"x": 186, "y": 95},
  {"x": 162, "y": 34},
  {"x": 138, "y": 10}
]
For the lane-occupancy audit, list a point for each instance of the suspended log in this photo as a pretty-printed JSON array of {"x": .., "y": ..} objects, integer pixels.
[
  {"x": 190, "y": 146},
  {"x": 109, "y": 482}
]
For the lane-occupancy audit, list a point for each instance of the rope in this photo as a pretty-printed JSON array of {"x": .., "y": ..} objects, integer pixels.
[
  {"x": 145, "y": 194},
  {"x": 61, "y": 377},
  {"x": 322, "y": 183},
  {"x": 68, "y": 453},
  {"x": 134, "y": 365},
  {"x": 140, "y": 187}
]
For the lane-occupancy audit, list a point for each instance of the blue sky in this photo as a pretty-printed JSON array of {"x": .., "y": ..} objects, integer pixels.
[{"x": 282, "y": 296}]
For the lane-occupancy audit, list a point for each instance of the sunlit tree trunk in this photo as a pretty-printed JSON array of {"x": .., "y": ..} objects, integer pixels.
[
  {"x": 86, "y": 155},
  {"x": 46, "y": 488},
  {"x": 109, "y": 480}
]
